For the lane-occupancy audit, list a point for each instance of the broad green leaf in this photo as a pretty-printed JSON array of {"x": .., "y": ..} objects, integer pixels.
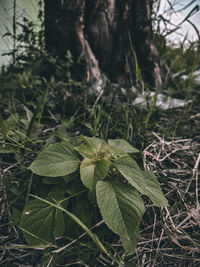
[
  {"x": 122, "y": 144},
  {"x": 122, "y": 209},
  {"x": 57, "y": 192},
  {"x": 75, "y": 141},
  {"x": 92, "y": 171},
  {"x": 153, "y": 189},
  {"x": 130, "y": 242},
  {"x": 59, "y": 223},
  {"x": 77, "y": 221},
  {"x": 56, "y": 160},
  {"x": 84, "y": 151},
  {"x": 113, "y": 153},
  {"x": 144, "y": 181},
  {"x": 37, "y": 223},
  {"x": 131, "y": 172},
  {"x": 95, "y": 144}
]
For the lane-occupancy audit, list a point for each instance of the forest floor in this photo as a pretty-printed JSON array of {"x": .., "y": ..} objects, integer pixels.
[
  {"x": 170, "y": 236},
  {"x": 34, "y": 113}
]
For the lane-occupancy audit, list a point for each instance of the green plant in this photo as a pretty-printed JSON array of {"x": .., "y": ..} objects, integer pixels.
[{"x": 107, "y": 171}]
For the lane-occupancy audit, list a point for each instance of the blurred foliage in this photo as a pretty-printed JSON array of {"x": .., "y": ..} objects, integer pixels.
[{"x": 180, "y": 64}]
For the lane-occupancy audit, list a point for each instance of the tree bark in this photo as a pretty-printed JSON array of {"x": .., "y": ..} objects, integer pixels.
[{"x": 100, "y": 29}]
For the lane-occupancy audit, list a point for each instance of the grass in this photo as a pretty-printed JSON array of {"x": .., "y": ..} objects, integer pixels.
[{"x": 36, "y": 111}]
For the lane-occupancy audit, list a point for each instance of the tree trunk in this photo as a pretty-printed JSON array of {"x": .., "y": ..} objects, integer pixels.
[{"x": 100, "y": 29}]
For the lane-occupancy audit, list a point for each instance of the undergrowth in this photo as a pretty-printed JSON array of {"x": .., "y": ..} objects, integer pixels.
[{"x": 43, "y": 101}]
